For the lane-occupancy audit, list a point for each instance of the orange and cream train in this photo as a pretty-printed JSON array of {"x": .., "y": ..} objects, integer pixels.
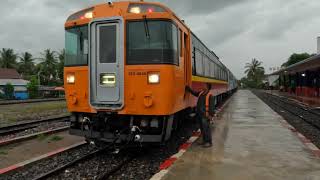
[{"x": 127, "y": 65}]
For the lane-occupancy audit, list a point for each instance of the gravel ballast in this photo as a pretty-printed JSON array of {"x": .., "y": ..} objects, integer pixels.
[{"x": 33, "y": 170}]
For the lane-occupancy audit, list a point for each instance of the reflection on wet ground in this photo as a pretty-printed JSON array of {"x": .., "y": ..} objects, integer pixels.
[{"x": 249, "y": 144}]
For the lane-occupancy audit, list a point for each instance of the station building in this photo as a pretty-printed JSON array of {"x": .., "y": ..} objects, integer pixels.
[
  {"x": 12, "y": 77},
  {"x": 303, "y": 78}
]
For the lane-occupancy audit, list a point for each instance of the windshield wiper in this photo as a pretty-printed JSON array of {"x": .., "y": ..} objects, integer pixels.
[{"x": 146, "y": 27}]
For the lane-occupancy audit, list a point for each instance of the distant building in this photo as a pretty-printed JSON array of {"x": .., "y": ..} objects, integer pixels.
[
  {"x": 51, "y": 92},
  {"x": 12, "y": 76}
]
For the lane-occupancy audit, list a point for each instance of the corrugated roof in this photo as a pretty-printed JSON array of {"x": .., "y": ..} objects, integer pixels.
[
  {"x": 14, "y": 82},
  {"x": 307, "y": 64},
  {"x": 313, "y": 58},
  {"x": 9, "y": 74}
]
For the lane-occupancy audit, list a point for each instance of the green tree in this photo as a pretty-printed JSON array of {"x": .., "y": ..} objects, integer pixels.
[
  {"x": 26, "y": 65},
  {"x": 47, "y": 67},
  {"x": 33, "y": 87},
  {"x": 8, "y": 59},
  {"x": 60, "y": 65},
  {"x": 295, "y": 58},
  {"x": 255, "y": 74},
  {"x": 8, "y": 91}
]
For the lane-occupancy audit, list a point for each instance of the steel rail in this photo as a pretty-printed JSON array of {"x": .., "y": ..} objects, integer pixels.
[
  {"x": 309, "y": 121},
  {"x": 2, "y": 103},
  {"x": 28, "y": 125},
  {"x": 107, "y": 174},
  {"x": 80, "y": 159},
  {"x": 59, "y": 169}
]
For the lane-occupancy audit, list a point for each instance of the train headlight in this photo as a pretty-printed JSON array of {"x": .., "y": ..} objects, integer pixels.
[
  {"x": 88, "y": 15},
  {"x": 108, "y": 80},
  {"x": 71, "y": 78},
  {"x": 153, "y": 78},
  {"x": 135, "y": 10}
]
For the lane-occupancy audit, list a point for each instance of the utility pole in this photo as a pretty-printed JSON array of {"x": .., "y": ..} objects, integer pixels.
[{"x": 39, "y": 82}]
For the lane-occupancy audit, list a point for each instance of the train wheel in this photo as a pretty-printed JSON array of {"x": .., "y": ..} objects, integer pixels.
[{"x": 95, "y": 142}]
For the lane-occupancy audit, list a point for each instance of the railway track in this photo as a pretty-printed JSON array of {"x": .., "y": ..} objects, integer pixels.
[
  {"x": 29, "y": 125},
  {"x": 308, "y": 115},
  {"x": 82, "y": 161},
  {"x": 29, "y": 130},
  {"x": 9, "y": 102}
]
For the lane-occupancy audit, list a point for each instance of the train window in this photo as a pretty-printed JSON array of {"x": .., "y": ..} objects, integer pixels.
[
  {"x": 211, "y": 69},
  {"x": 199, "y": 67},
  {"x": 156, "y": 44},
  {"x": 107, "y": 44},
  {"x": 175, "y": 42},
  {"x": 207, "y": 66},
  {"x": 217, "y": 71},
  {"x": 75, "y": 40},
  {"x": 193, "y": 62},
  {"x": 181, "y": 42}
]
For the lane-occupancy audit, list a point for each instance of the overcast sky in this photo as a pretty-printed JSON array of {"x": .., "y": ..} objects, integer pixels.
[{"x": 237, "y": 30}]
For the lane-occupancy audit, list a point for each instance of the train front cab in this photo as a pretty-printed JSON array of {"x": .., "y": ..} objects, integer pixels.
[{"x": 134, "y": 80}]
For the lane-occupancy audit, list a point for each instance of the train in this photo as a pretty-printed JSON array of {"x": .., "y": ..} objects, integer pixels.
[{"x": 127, "y": 65}]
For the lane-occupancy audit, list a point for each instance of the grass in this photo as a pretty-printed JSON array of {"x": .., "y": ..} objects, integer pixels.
[
  {"x": 55, "y": 138},
  {"x": 3, "y": 151},
  {"x": 42, "y": 137},
  {"x": 52, "y": 138},
  {"x": 10, "y": 114}
]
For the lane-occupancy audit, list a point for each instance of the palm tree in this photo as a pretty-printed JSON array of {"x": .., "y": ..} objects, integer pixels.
[
  {"x": 8, "y": 59},
  {"x": 26, "y": 65},
  {"x": 60, "y": 66},
  {"x": 254, "y": 68},
  {"x": 48, "y": 65},
  {"x": 255, "y": 73}
]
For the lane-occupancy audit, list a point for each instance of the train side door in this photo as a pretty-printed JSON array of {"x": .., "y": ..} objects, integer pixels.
[
  {"x": 106, "y": 64},
  {"x": 186, "y": 58}
]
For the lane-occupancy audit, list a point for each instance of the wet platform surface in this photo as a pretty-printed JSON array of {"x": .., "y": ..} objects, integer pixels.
[{"x": 249, "y": 144}]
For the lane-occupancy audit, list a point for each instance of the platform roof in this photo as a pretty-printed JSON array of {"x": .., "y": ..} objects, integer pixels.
[{"x": 312, "y": 63}]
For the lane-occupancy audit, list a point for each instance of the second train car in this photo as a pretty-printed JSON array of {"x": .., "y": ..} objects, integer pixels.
[{"x": 127, "y": 65}]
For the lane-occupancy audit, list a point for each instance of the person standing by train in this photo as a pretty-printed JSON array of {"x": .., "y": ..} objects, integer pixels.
[{"x": 203, "y": 114}]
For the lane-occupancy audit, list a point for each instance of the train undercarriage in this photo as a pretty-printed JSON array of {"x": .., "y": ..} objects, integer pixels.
[{"x": 114, "y": 128}]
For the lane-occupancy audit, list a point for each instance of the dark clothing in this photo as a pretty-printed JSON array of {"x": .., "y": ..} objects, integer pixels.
[
  {"x": 201, "y": 103},
  {"x": 201, "y": 117},
  {"x": 205, "y": 129}
]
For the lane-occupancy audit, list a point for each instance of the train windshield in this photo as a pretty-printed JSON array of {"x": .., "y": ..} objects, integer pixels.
[
  {"x": 77, "y": 48},
  {"x": 152, "y": 42}
]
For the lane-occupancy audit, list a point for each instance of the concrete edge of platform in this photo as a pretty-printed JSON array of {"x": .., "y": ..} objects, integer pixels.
[
  {"x": 30, "y": 161},
  {"x": 307, "y": 142},
  {"x": 31, "y": 136},
  {"x": 167, "y": 164}
]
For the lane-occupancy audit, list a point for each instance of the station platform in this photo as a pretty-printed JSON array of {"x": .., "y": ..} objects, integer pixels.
[
  {"x": 250, "y": 143},
  {"x": 313, "y": 102}
]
